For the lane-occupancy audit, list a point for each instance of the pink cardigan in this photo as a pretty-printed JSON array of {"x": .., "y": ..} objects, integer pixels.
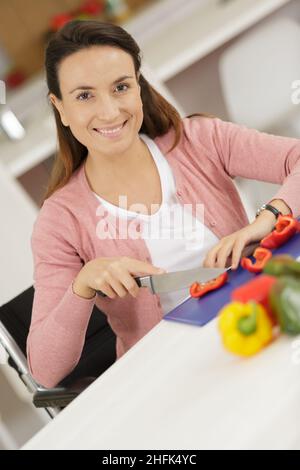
[{"x": 211, "y": 152}]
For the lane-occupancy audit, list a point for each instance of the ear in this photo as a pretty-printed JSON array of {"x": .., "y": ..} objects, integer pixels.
[{"x": 58, "y": 104}]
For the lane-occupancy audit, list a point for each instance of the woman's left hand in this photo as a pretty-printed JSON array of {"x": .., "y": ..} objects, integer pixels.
[{"x": 232, "y": 245}]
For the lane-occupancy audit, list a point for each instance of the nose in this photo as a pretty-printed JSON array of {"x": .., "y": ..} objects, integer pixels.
[{"x": 107, "y": 109}]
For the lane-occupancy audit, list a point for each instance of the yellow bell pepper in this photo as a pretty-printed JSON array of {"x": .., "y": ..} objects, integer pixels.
[{"x": 245, "y": 328}]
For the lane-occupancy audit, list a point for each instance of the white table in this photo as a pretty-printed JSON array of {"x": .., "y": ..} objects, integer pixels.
[{"x": 178, "y": 388}]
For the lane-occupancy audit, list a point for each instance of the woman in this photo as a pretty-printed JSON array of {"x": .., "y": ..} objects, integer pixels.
[{"x": 121, "y": 140}]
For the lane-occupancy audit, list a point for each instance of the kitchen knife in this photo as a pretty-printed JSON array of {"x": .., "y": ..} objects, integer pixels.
[{"x": 176, "y": 280}]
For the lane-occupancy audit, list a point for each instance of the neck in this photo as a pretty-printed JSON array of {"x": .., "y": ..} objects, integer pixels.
[{"x": 110, "y": 169}]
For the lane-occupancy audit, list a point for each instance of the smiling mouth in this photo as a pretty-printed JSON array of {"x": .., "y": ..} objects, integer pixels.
[{"x": 110, "y": 132}]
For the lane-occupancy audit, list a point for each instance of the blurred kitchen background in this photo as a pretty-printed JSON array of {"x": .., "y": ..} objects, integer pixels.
[{"x": 235, "y": 59}]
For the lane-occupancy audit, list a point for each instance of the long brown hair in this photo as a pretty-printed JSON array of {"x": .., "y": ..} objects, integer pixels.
[{"x": 159, "y": 115}]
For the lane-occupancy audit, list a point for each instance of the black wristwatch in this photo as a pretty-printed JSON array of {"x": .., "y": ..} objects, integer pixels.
[{"x": 270, "y": 208}]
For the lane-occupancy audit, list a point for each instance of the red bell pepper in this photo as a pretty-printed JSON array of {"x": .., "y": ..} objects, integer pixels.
[
  {"x": 262, "y": 255},
  {"x": 198, "y": 289},
  {"x": 257, "y": 290},
  {"x": 285, "y": 228},
  {"x": 92, "y": 7},
  {"x": 58, "y": 21}
]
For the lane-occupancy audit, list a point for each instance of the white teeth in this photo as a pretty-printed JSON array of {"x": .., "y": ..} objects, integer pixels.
[{"x": 111, "y": 131}]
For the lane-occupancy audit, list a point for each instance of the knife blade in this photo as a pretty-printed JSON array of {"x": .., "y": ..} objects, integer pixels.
[{"x": 176, "y": 280}]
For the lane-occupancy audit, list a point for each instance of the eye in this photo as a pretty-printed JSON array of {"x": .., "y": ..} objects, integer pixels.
[
  {"x": 123, "y": 85},
  {"x": 83, "y": 96}
]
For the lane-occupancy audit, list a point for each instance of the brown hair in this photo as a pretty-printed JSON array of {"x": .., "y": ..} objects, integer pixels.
[{"x": 159, "y": 115}]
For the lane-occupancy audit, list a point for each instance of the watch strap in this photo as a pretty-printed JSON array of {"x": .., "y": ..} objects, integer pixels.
[{"x": 270, "y": 208}]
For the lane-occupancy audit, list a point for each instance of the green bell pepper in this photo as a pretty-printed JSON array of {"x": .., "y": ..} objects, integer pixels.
[
  {"x": 282, "y": 265},
  {"x": 284, "y": 298}
]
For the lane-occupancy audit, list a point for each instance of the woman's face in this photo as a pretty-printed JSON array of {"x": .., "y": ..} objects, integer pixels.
[{"x": 101, "y": 100}]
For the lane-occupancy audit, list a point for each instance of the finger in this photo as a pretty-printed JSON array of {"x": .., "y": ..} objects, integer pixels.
[
  {"x": 237, "y": 253},
  {"x": 118, "y": 287},
  {"x": 125, "y": 279},
  {"x": 223, "y": 254},
  {"x": 135, "y": 266},
  {"x": 115, "y": 284},
  {"x": 107, "y": 290},
  {"x": 211, "y": 257},
  {"x": 129, "y": 283}
]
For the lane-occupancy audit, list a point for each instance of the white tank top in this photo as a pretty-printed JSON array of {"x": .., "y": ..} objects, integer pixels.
[{"x": 175, "y": 239}]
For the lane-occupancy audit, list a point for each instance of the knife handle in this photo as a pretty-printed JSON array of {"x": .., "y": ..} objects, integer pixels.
[{"x": 138, "y": 280}]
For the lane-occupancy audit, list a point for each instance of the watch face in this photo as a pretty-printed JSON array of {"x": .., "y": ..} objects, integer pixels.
[
  {"x": 260, "y": 210},
  {"x": 270, "y": 208}
]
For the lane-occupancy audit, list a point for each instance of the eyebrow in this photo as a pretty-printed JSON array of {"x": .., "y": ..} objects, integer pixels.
[{"x": 87, "y": 87}]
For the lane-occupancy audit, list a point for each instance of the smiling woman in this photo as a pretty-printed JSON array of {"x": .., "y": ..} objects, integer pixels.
[
  {"x": 100, "y": 99},
  {"x": 106, "y": 109},
  {"x": 119, "y": 137}
]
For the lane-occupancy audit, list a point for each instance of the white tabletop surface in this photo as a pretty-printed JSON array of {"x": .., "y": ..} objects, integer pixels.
[{"x": 178, "y": 388}]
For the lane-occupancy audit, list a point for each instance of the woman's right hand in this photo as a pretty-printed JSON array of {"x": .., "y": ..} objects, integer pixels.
[{"x": 112, "y": 276}]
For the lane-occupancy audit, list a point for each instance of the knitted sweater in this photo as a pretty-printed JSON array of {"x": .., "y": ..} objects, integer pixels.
[{"x": 210, "y": 154}]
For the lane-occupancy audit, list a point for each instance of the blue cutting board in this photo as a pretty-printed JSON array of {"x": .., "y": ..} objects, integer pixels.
[{"x": 201, "y": 311}]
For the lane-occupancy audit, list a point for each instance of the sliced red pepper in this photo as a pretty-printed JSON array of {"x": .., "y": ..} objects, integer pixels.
[
  {"x": 198, "y": 289},
  {"x": 261, "y": 255},
  {"x": 285, "y": 228},
  {"x": 256, "y": 290}
]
